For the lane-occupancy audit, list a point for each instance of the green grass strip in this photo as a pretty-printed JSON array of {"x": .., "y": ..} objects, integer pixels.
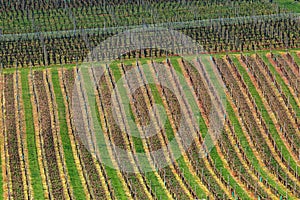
[
  {"x": 1, "y": 180},
  {"x": 36, "y": 179},
  {"x": 66, "y": 142},
  {"x": 291, "y": 5},
  {"x": 296, "y": 57}
]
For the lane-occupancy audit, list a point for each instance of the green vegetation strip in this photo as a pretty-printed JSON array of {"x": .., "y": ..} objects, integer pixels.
[
  {"x": 66, "y": 143},
  {"x": 1, "y": 179},
  {"x": 291, "y": 5},
  {"x": 265, "y": 113},
  {"x": 34, "y": 167},
  {"x": 296, "y": 57},
  {"x": 39, "y": 68}
]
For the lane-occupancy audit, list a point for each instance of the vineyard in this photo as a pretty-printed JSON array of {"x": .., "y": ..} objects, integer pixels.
[
  {"x": 256, "y": 156},
  {"x": 35, "y": 35},
  {"x": 88, "y": 110}
]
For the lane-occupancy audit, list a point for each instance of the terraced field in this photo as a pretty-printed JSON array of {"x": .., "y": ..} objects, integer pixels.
[{"x": 256, "y": 156}]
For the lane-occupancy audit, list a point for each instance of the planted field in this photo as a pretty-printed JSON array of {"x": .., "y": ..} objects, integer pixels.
[
  {"x": 55, "y": 32},
  {"x": 150, "y": 99},
  {"x": 20, "y": 17},
  {"x": 44, "y": 153}
]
